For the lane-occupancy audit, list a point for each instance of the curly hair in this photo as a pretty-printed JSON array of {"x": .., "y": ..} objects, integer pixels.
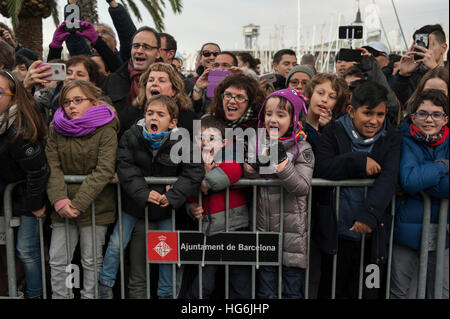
[
  {"x": 242, "y": 82},
  {"x": 338, "y": 84},
  {"x": 182, "y": 99}
]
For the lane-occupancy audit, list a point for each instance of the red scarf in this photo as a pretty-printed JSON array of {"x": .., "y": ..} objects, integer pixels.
[
  {"x": 434, "y": 140},
  {"x": 134, "y": 83}
]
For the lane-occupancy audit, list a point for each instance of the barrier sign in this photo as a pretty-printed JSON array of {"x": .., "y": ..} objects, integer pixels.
[{"x": 225, "y": 247}]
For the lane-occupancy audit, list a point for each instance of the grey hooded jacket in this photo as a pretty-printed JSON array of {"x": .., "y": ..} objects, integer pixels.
[{"x": 296, "y": 180}]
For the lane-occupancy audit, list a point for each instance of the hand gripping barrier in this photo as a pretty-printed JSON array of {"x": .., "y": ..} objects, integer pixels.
[{"x": 10, "y": 222}]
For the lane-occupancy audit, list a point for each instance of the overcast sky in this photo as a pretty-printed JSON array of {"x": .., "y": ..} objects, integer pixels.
[{"x": 222, "y": 21}]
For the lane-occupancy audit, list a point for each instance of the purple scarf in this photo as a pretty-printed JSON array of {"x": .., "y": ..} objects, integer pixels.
[{"x": 94, "y": 117}]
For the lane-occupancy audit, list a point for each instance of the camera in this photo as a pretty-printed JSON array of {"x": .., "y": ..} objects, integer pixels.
[
  {"x": 2, "y": 32},
  {"x": 351, "y": 32},
  {"x": 420, "y": 39}
]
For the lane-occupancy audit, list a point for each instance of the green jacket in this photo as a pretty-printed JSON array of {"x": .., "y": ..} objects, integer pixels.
[{"x": 93, "y": 155}]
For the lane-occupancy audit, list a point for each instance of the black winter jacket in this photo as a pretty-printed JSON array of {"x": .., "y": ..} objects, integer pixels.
[
  {"x": 404, "y": 86},
  {"x": 336, "y": 161},
  {"x": 136, "y": 160},
  {"x": 23, "y": 161},
  {"x": 116, "y": 86}
]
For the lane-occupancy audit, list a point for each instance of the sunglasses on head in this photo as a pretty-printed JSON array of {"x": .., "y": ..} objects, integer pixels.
[{"x": 207, "y": 54}]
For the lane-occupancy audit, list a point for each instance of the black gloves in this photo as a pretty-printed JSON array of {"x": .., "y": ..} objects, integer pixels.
[{"x": 264, "y": 160}]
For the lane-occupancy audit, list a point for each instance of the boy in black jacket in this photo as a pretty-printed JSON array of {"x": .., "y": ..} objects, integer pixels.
[
  {"x": 361, "y": 144},
  {"x": 144, "y": 151}
]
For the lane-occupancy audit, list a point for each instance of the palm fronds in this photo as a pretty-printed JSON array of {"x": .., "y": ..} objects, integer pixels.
[{"x": 13, "y": 10}]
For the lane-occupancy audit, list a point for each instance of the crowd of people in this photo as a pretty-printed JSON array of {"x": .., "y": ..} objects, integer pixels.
[{"x": 383, "y": 118}]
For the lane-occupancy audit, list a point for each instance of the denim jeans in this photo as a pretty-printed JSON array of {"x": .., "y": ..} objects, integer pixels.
[
  {"x": 138, "y": 262},
  {"x": 111, "y": 261},
  {"x": 59, "y": 259},
  {"x": 29, "y": 252},
  {"x": 293, "y": 282}
]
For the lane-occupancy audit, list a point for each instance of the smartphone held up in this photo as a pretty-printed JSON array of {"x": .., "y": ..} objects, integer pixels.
[
  {"x": 58, "y": 71},
  {"x": 214, "y": 78}
]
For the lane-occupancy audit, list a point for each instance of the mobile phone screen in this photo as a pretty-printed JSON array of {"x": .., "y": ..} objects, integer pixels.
[{"x": 214, "y": 78}]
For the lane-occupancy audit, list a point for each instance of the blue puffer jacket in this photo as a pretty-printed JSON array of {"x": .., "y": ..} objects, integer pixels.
[{"x": 419, "y": 171}]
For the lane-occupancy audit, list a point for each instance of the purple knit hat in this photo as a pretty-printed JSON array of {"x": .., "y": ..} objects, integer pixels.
[{"x": 297, "y": 101}]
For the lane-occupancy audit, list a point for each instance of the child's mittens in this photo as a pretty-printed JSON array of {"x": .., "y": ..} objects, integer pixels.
[
  {"x": 282, "y": 156},
  {"x": 196, "y": 211}
]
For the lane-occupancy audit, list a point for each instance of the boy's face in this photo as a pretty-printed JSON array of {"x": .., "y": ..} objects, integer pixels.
[
  {"x": 368, "y": 121},
  {"x": 286, "y": 64},
  {"x": 212, "y": 142},
  {"x": 429, "y": 125},
  {"x": 438, "y": 49},
  {"x": 342, "y": 66},
  {"x": 158, "y": 119},
  {"x": 276, "y": 118},
  {"x": 22, "y": 69},
  {"x": 323, "y": 99}
]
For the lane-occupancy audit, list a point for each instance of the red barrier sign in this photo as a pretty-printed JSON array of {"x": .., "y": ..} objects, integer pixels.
[{"x": 162, "y": 246}]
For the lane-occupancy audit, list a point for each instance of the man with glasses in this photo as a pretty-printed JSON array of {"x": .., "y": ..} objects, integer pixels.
[
  {"x": 226, "y": 61},
  {"x": 122, "y": 85},
  {"x": 168, "y": 48},
  {"x": 167, "y": 53}
]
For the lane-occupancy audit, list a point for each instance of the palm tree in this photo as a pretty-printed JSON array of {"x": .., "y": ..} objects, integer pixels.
[
  {"x": 154, "y": 7},
  {"x": 27, "y": 15},
  {"x": 27, "y": 18}
]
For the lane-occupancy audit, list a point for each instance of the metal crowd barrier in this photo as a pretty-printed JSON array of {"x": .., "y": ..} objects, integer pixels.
[{"x": 10, "y": 222}]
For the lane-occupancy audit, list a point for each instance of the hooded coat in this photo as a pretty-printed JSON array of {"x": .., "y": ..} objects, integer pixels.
[
  {"x": 296, "y": 178},
  {"x": 420, "y": 170}
]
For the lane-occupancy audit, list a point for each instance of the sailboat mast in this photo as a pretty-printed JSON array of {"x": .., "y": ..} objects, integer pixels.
[{"x": 399, "y": 24}]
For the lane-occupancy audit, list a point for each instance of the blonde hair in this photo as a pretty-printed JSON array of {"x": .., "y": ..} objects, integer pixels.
[
  {"x": 182, "y": 99},
  {"x": 88, "y": 88}
]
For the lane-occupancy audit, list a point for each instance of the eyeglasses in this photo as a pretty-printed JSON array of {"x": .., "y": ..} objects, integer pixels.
[
  {"x": 76, "y": 101},
  {"x": 435, "y": 116},
  {"x": 167, "y": 50},
  {"x": 3, "y": 93},
  {"x": 207, "y": 54},
  {"x": 238, "y": 98},
  {"x": 296, "y": 82},
  {"x": 145, "y": 46}
]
